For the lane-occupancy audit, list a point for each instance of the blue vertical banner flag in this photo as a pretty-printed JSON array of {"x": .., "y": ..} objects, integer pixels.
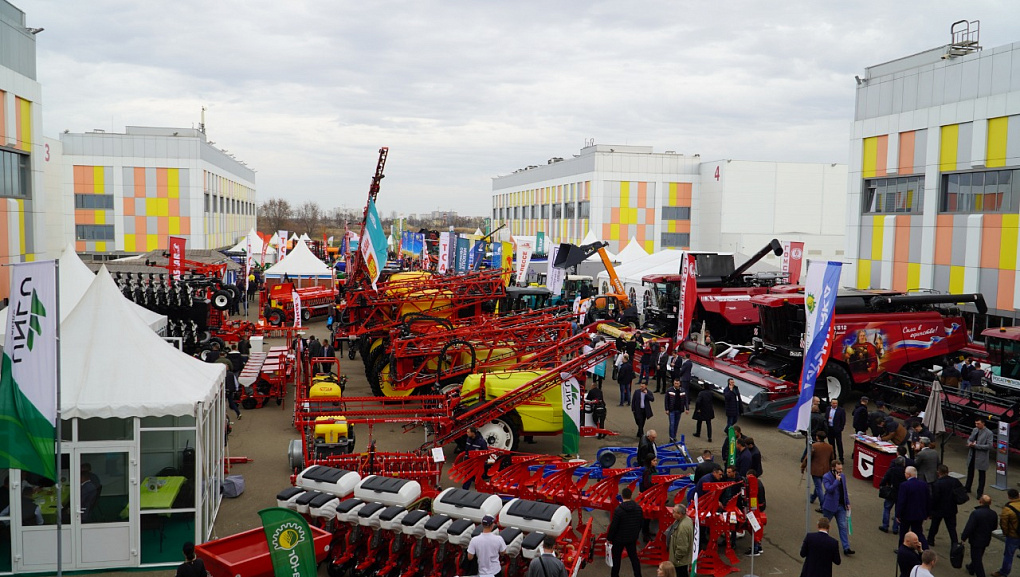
[
  {"x": 820, "y": 301},
  {"x": 477, "y": 254},
  {"x": 497, "y": 255},
  {"x": 463, "y": 249},
  {"x": 373, "y": 245}
]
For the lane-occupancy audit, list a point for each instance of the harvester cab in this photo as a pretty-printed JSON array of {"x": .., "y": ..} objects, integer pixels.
[{"x": 1003, "y": 346}]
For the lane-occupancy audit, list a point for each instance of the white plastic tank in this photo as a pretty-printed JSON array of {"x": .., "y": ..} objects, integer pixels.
[
  {"x": 466, "y": 504},
  {"x": 388, "y": 490},
  {"x": 529, "y": 516},
  {"x": 328, "y": 480}
]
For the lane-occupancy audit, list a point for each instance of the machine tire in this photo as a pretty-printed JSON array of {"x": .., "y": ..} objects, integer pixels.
[
  {"x": 834, "y": 375},
  {"x": 234, "y": 292},
  {"x": 275, "y": 317},
  {"x": 219, "y": 341},
  {"x": 503, "y": 432},
  {"x": 351, "y": 351},
  {"x": 442, "y": 355},
  {"x": 295, "y": 455},
  {"x": 607, "y": 460},
  {"x": 380, "y": 380},
  {"x": 203, "y": 355},
  {"x": 333, "y": 570},
  {"x": 249, "y": 403},
  {"x": 204, "y": 336},
  {"x": 221, "y": 300},
  {"x": 306, "y": 314}
]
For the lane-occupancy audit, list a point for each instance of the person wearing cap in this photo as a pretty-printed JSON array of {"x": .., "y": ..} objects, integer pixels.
[
  {"x": 860, "y": 416},
  {"x": 486, "y": 547}
]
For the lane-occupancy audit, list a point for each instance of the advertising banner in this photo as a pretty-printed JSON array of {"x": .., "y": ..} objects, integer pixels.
[
  {"x": 554, "y": 276},
  {"x": 477, "y": 255},
  {"x": 497, "y": 255},
  {"x": 248, "y": 257},
  {"x": 297, "y": 307},
  {"x": 282, "y": 249},
  {"x": 571, "y": 392},
  {"x": 177, "y": 257},
  {"x": 373, "y": 245},
  {"x": 444, "y": 253},
  {"x": 291, "y": 548},
  {"x": 524, "y": 251},
  {"x": 688, "y": 296},
  {"x": 28, "y": 379},
  {"x": 508, "y": 256},
  {"x": 463, "y": 250},
  {"x": 540, "y": 243},
  {"x": 793, "y": 256},
  {"x": 820, "y": 302}
]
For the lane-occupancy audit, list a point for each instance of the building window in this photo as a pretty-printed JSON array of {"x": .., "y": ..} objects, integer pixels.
[
  {"x": 584, "y": 209},
  {"x": 526, "y": 210},
  {"x": 535, "y": 211},
  {"x": 676, "y": 213},
  {"x": 972, "y": 192},
  {"x": 545, "y": 211},
  {"x": 93, "y": 231},
  {"x": 676, "y": 239},
  {"x": 570, "y": 210},
  {"x": 94, "y": 201},
  {"x": 207, "y": 202},
  {"x": 894, "y": 195},
  {"x": 557, "y": 210},
  {"x": 14, "y": 175},
  {"x": 517, "y": 212}
]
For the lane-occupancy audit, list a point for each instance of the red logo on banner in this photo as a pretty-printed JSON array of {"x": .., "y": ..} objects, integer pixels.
[
  {"x": 795, "y": 261},
  {"x": 177, "y": 257},
  {"x": 688, "y": 296}
]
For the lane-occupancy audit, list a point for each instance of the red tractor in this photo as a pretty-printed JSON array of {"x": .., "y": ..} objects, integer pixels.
[{"x": 316, "y": 301}]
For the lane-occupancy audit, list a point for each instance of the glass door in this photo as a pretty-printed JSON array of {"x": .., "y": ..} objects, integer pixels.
[{"x": 103, "y": 480}]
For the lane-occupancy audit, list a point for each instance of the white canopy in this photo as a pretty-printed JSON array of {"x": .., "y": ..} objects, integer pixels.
[
  {"x": 300, "y": 263},
  {"x": 256, "y": 245},
  {"x": 633, "y": 251},
  {"x": 275, "y": 240},
  {"x": 114, "y": 366},
  {"x": 75, "y": 279},
  {"x": 294, "y": 236},
  {"x": 305, "y": 237},
  {"x": 389, "y": 240},
  {"x": 663, "y": 262},
  {"x": 479, "y": 233}
]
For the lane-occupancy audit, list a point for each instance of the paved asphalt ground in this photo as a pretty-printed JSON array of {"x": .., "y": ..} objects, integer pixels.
[{"x": 263, "y": 435}]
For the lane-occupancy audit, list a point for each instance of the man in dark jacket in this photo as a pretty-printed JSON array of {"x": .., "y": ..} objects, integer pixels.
[
  {"x": 978, "y": 532},
  {"x": 474, "y": 442},
  {"x": 820, "y": 552},
  {"x": 835, "y": 421},
  {"x": 646, "y": 448},
  {"x": 641, "y": 406},
  {"x": 625, "y": 376},
  {"x": 755, "y": 456},
  {"x": 314, "y": 348},
  {"x": 623, "y": 532},
  {"x": 860, "y": 416},
  {"x": 876, "y": 419},
  {"x": 731, "y": 399},
  {"x": 894, "y": 477},
  {"x": 743, "y": 457},
  {"x": 706, "y": 466},
  {"x": 676, "y": 404},
  {"x": 908, "y": 555},
  {"x": 682, "y": 372},
  {"x": 704, "y": 412},
  {"x": 662, "y": 377},
  {"x": 943, "y": 505},
  {"x": 912, "y": 506}
]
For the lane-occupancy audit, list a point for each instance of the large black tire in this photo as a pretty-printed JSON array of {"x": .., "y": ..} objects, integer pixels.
[
  {"x": 221, "y": 300},
  {"x": 275, "y": 317},
  {"x": 236, "y": 294},
  {"x": 220, "y": 342},
  {"x": 249, "y": 403},
  {"x": 306, "y": 315},
  {"x": 833, "y": 382}
]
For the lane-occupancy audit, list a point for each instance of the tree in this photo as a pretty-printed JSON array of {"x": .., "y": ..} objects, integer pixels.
[
  {"x": 340, "y": 216},
  {"x": 276, "y": 214},
  {"x": 309, "y": 215}
]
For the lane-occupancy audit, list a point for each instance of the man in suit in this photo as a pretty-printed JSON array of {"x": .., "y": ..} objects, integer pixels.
[
  {"x": 835, "y": 423},
  {"x": 912, "y": 506},
  {"x": 641, "y": 406},
  {"x": 944, "y": 506},
  {"x": 860, "y": 416},
  {"x": 926, "y": 460},
  {"x": 704, "y": 412},
  {"x": 836, "y": 503},
  {"x": 623, "y": 532},
  {"x": 978, "y": 532},
  {"x": 820, "y": 552},
  {"x": 980, "y": 443}
]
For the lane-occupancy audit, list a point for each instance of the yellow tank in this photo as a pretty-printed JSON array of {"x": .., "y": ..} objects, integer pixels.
[
  {"x": 324, "y": 388},
  {"x": 330, "y": 430},
  {"x": 405, "y": 282},
  {"x": 431, "y": 302},
  {"x": 543, "y": 414}
]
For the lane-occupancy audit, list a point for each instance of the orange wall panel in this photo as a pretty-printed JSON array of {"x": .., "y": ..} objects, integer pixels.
[
  {"x": 899, "y": 274},
  {"x": 139, "y": 182},
  {"x": 991, "y": 237},
  {"x": 906, "y": 161},
  {"x": 901, "y": 253},
  {"x": 882, "y": 160},
  {"x": 1004, "y": 296},
  {"x": 943, "y": 239}
]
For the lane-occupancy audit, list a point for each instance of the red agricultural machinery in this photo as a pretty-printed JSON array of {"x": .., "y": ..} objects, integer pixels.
[{"x": 279, "y": 308}]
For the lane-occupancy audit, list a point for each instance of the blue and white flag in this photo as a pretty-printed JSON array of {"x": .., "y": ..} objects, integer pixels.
[{"x": 820, "y": 301}]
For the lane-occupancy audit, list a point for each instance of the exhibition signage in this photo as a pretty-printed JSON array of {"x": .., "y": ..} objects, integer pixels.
[
  {"x": 793, "y": 256},
  {"x": 820, "y": 302},
  {"x": 176, "y": 257},
  {"x": 373, "y": 245},
  {"x": 28, "y": 373},
  {"x": 291, "y": 547},
  {"x": 463, "y": 250},
  {"x": 508, "y": 256},
  {"x": 524, "y": 250},
  {"x": 688, "y": 296},
  {"x": 571, "y": 391},
  {"x": 444, "y": 253},
  {"x": 282, "y": 249},
  {"x": 554, "y": 276}
]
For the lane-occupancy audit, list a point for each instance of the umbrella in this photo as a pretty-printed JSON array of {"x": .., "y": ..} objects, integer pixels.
[{"x": 933, "y": 418}]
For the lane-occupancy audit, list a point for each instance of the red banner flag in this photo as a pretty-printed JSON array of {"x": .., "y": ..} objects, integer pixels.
[
  {"x": 177, "y": 256},
  {"x": 688, "y": 296},
  {"x": 793, "y": 257}
]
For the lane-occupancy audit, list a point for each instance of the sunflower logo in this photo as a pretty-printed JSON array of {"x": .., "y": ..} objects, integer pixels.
[
  {"x": 811, "y": 303},
  {"x": 288, "y": 536}
]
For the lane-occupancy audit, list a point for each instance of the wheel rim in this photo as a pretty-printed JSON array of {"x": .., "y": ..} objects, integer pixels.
[
  {"x": 221, "y": 301},
  {"x": 833, "y": 387},
  {"x": 386, "y": 384},
  {"x": 497, "y": 434}
]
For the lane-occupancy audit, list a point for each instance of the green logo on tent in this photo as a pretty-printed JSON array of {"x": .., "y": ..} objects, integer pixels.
[{"x": 34, "y": 326}]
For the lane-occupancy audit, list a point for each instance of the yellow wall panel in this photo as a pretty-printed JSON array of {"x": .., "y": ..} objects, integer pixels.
[
  {"x": 100, "y": 217},
  {"x": 863, "y": 273},
  {"x": 151, "y": 242},
  {"x": 956, "y": 279},
  {"x": 947, "y": 152},
  {"x": 1007, "y": 246},
  {"x": 129, "y": 243},
  {"x": 995, "y": 155},
  {"x": 25, "y": 120},
  {"x": 913, "y": 275},
  {"x": 100, "y": 246},
  {"x": 98, "y": 180},
  {"x": 624, "y": 194},
  {"x": 877, "y": 232},
  {"x": 174, "y": 225},
  {"x": 870, "y": 155},
  {"x": 151, "y": 207},
  {"x": 614, "y": 231}
]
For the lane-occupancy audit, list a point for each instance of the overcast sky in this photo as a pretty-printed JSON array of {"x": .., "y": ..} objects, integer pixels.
[{"x": 306, "y": 92}]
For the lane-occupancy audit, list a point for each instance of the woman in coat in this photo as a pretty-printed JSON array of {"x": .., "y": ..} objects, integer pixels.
[{"x": 704, "y": 412}]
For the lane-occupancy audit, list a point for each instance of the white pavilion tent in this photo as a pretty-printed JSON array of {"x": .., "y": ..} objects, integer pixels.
[
  {"x": 663, "y": 262},
  {"x": 633, "y": 251},
  {"x": 256, "y": 248},
  {"x": 300, "y": 267},
  {"x": 148, "y": 419}
]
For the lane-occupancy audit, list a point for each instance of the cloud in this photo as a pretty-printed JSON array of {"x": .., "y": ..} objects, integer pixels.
[{"x": 461, "y": 91}]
